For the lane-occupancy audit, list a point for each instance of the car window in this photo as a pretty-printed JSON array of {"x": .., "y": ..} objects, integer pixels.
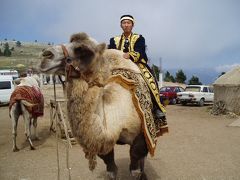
[
  {"x": 163, "y": 89},
  {"x": 211, "y": 89},
  {"x": 193, "y": 89},
  {"x": 5, "y": 85},
  {"x": 168, "y": 89},
  {"x": 205, "y": 89},
  {"x": 181, "y": 89}
]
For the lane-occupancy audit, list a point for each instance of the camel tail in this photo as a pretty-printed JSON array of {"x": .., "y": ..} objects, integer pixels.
[{"x": 17, "y": 108}]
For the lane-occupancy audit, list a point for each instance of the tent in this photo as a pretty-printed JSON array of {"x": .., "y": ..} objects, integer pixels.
[{"x": 227, "y": 90}]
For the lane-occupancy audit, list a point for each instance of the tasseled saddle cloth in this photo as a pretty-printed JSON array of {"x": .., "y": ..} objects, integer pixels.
[
  {"x": 31, "y": 95},
  {"x": 141, "y": 95}
]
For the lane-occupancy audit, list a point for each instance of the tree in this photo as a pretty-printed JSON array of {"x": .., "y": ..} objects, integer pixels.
[
  {"x": 222, "y": 73},
  {"x": 18, "y": 44},
  {"x": 156, "y": 71},
  {"x": 194, "y": 81},
  {"x": 7, "y": 51},
  {"x": 168, "y": 77},
  {"x": 1, "y": 52},
  {"x": 180, "y": 76}
]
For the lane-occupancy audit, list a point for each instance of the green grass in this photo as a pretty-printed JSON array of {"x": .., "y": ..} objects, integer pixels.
[{"x": 27, "y": 54}]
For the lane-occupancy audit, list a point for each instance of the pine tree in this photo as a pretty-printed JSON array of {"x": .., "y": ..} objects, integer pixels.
[
  {"x": 168, "y": 77},
  {"x": 7, "y": 51},
  {"x": 18, "y": 44},
  {"x": 194, "y": 81},
  {"x": 222, "y": 73},
  {"x": 180, "y": 76}
]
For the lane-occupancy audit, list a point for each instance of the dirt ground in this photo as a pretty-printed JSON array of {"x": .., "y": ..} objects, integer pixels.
[{"x": 199, "y": 146}]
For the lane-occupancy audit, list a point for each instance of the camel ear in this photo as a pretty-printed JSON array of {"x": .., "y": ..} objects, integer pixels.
[{"x": 101, "y": 47}]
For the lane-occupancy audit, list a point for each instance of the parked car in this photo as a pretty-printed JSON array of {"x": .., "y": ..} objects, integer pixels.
[
  {"x": 198, "y": 94},
  {"x": 169, "y": 94},
  {"x": 6, "y": 88}
]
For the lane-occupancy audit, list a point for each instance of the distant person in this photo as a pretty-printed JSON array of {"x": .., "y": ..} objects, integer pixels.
[
  {"x": 18, "y": 80},
  {"x": 134, "y": 48},
  {"x": 23, "y": 74}
]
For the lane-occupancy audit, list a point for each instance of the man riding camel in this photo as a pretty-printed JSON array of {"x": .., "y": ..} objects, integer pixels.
[{"x": 133, "y": 46}]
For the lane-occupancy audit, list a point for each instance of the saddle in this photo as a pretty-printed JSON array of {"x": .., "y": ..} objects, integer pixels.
[{"x": 135, "y": 83}]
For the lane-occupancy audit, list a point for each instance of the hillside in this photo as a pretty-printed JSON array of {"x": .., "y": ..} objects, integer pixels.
[{"x": 24, "y": 57}]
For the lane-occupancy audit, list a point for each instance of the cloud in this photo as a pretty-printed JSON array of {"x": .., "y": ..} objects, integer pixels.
[
  {"x": 186, "y": 33},
  {"x": 226, "y": 67}
]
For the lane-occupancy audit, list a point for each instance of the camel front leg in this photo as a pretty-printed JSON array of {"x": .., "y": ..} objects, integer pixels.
[
  {"x": 14, "y": 117},
  {"x": 111, "y": 165},
  {"x": 138, "y": 152},
  {"x": 27, "y": 123}
]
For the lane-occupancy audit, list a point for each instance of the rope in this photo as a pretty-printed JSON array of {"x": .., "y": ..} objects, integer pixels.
[{"x": 58, "y": 131}]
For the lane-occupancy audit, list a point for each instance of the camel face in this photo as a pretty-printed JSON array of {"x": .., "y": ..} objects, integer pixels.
[
  {"x": 53, "y": 59},
  {"x": 82, "y": 53}
]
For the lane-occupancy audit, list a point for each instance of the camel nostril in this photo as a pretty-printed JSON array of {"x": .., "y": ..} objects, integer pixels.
[{"x": 47, "y": 54}]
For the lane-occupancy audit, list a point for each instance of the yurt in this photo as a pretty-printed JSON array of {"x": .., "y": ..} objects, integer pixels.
[{"x": 227, "y": 90}]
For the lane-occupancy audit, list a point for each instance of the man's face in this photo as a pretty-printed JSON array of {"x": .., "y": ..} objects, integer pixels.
[{"x": 127, "y": 26}]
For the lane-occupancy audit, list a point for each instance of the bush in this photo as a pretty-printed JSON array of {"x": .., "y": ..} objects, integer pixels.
[{"x": 18, "y": 44}]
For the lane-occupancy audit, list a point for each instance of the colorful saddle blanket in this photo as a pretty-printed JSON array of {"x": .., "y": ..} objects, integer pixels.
[{"x": 31, "y": 95}]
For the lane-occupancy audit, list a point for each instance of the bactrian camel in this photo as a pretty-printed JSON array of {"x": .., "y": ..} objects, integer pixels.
[
  {"x": 101, "y": 112},
  {"x": 26, "y": 100}
]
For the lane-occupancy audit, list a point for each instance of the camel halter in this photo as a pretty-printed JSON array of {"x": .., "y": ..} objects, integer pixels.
[
  {"x": 72, "y": 71},
  {"x": 70, "y": 68}
]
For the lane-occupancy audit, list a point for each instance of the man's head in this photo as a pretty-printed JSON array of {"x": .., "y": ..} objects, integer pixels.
[{"x": 127, "y": 23}]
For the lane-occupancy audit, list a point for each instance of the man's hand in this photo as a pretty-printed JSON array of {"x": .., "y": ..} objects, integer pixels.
[{"x": 126, "y": 56}]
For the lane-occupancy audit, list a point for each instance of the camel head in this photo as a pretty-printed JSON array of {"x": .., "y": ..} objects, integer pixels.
[{"x": 81, "y": 53}]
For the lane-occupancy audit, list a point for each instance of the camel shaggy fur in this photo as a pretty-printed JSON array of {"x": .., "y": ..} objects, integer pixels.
[
  {"x": 101, "y": 112},
  {"x": 19, "y": 105}
]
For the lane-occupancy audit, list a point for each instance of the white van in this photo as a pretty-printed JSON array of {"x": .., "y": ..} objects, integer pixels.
[
  {"x": 9, "y": 72},
  {"x": 6, "y": 88}
]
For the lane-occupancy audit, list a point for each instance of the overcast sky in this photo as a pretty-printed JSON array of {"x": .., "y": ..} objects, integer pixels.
[{"x": 186, "y": 34}]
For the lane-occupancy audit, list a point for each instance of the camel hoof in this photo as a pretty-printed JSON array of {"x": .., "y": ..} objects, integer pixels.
[
  {"x": 111, "y": 175},
  {"x": 15, "y": 149},
  {"x": 136, "y": 173},
  {"x": 32, "y": 148},
  {"x": 143, "y": 176}
]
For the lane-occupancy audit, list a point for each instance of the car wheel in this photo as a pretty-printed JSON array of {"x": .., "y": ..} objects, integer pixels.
[
  {"x": 201, "y": 102},
  {"x": 174, "y": 101},
  {"x": 184, "y": 103}
]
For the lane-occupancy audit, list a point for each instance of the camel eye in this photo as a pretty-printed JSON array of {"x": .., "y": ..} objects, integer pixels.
[
  {"x": 68, "y": 60},
  {"x": 47, "y": 54}
]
